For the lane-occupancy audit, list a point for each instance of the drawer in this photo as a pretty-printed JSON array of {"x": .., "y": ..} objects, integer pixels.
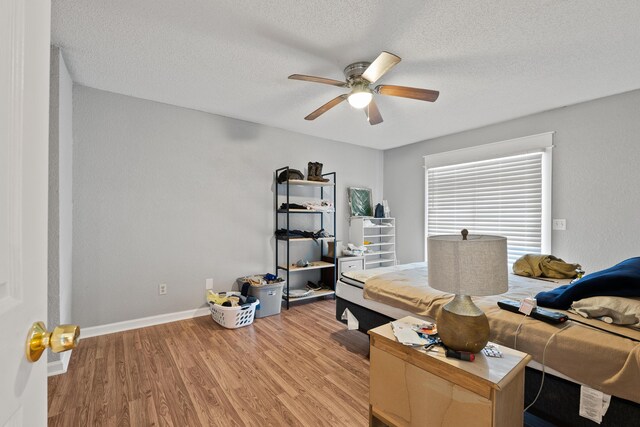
[{"x": 351, "y": 265}]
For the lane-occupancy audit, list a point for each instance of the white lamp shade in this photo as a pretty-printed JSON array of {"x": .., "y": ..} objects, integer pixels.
[{"x": 477, "y": 266}]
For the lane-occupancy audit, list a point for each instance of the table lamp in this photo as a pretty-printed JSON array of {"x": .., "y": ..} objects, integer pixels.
[{"x": 466, "y": 265}]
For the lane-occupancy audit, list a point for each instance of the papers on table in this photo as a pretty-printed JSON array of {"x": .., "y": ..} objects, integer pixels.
[{"x": 406, "y": 334}]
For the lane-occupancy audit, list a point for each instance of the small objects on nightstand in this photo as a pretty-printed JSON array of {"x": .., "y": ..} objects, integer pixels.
[
  {"x": 427, "y": 328},
  {"x": 406, "y": 334},
  {"x": 462, "y": 355},
  {"x": 492, "y": 350}
]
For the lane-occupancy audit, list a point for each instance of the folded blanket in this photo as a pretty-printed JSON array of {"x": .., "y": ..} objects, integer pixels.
[
  {"x": 621, "y": 280},
  {"x": 533, "y": 265}
]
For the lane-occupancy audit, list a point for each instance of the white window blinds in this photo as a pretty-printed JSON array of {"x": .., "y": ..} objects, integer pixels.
[{"x": 501, "y": 196}]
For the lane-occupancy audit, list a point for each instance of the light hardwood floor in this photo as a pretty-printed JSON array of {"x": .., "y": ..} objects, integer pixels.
[{"x": 301, "y": 367}]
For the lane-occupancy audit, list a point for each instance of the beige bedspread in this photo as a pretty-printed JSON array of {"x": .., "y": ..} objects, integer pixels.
[{"x": 599, "y": 359}]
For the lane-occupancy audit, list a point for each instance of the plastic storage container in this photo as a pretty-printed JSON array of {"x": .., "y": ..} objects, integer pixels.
[
  {"x": 270, "y": 297},
  {"x": 233, "y": 317}
]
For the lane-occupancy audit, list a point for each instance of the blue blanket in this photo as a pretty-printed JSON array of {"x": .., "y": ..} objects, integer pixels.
[{"x": 621, "y": 280}]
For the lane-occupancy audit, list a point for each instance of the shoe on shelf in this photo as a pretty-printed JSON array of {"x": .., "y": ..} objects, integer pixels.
[
  {"x": 315, "y": 172},
  {"x": 312, "y": 286},
  {"x": 311, "y": 171}
]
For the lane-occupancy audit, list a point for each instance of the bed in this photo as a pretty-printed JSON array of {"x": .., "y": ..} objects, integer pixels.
[{"x": 590, "y": 352}]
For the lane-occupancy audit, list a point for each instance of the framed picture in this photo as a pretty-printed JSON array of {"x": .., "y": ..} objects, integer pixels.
[{"x": 360, "y": 201}]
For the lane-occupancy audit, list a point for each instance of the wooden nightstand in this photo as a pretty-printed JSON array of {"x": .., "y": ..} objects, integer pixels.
[{"x": 411, "y": 387}]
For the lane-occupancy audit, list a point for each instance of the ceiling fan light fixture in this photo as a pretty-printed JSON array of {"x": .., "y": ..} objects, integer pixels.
[{"x": 360, "y": 97}]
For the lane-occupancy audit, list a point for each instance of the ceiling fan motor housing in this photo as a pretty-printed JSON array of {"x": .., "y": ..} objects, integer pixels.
[{"x": 353, "y": 72}]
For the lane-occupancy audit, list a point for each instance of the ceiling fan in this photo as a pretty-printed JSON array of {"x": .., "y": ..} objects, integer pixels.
[{"x": 359, "y": 76}]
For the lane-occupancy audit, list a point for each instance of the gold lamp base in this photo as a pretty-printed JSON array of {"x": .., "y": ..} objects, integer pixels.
[{"x": 462, "y": 326}]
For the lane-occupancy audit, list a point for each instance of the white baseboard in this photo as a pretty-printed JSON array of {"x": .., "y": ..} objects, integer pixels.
[
  {"x": 59, "y": 366},
  {"x": 127, "y": 325},
  {"x": 55, "y": 368}
]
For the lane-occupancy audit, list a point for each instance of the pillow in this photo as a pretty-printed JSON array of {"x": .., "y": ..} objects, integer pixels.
[
  {"x": 618, "y": 310},
  {"x": 621, "y": 280}
]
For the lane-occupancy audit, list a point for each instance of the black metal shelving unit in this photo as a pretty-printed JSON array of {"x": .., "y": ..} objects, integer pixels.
[{"x": 287, "y": 239}]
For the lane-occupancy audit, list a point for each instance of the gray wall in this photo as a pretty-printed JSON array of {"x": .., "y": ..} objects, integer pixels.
[
  {"x": 164, "y": 194},
  {"x": 596, "y": 175},
  {"x": 60, "y": 193}
]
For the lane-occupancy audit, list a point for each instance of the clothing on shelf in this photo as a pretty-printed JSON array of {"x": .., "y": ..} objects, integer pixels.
[
  {"x": 319, "y": 205},
  {"x": 298, "y": 234},
  {"x": 312, "y": 205},
  {"x": 284, "y": 206}
]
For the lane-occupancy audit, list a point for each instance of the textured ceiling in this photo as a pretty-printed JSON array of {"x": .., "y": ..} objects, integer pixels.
[{"x": 492, "y": 61}]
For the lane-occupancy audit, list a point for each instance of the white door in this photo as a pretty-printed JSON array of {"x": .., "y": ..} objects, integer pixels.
[{"x": 24, "y": 134}]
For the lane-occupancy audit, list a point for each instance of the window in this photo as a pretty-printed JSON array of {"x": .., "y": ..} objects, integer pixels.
[{"x": 502, "y": 189}]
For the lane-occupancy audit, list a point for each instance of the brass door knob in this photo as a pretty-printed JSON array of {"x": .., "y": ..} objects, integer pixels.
[{"x": 62, "y": 338}]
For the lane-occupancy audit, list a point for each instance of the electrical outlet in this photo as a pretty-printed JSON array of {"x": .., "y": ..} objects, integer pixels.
[
  {"x": 209, "y": 284},
  {"x": 162, "y": 289},
  {"x": 559, "y": 224}
]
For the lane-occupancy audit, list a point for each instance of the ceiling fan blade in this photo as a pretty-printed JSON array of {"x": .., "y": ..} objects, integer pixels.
[
  {"x": 408, "y": 92},
  {"x": 326, "y": 107},
  {"x": 317, "y": 80},
  {"x": 373, "y": 114},
  {"x": 383, "y": 63}
]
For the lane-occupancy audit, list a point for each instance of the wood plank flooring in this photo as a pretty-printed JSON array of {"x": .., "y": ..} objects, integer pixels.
[{"x": 299, "y": 368}]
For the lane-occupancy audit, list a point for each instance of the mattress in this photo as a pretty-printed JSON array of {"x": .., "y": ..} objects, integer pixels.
[
  {"x": 358, "y": 278},
  {"x": 351, "y": 291},
  {"x": 607, "y": 358}
]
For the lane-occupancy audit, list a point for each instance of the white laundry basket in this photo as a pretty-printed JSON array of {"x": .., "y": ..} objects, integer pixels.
[{"x": 233, "y": 317}]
